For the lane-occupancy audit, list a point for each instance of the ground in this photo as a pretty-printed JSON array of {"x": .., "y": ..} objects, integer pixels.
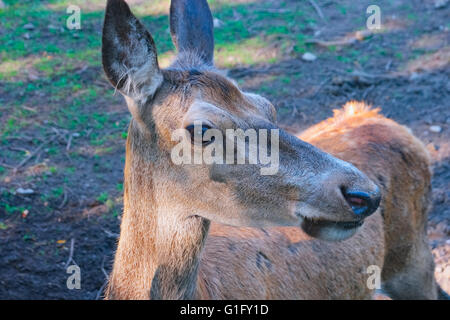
[{"x": 63, "y": 130}]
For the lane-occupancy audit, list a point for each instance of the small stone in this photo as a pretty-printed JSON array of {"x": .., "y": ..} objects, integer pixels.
[
  {"x": 439, "y": 4},
  {"x": 28, "y": 26},
  {"x": 435, "y": 129},
  {"x": 308, "y": 56},
  {"x": 217, "y": 23},
  {"x": 337, "y": 80},
  {"x": 26, "y": 36},
  {"x": 413, "y": 76},
  {"x": 24, "y": 191},
  {"x": 75, "y": 134}
]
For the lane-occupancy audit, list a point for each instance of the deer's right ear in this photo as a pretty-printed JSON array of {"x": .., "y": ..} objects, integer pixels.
[
  {"x": 129, "y": 53},
  {"x": 191, "y": 26}
]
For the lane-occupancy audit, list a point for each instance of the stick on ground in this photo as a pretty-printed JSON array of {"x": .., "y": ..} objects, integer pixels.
[
  {"x": 317, "y": 8},
  {"x": 72, "y": 244},
  {"x": 36, "y": 151}
]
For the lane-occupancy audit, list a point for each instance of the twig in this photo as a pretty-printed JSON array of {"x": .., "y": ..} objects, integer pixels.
[
  {"x": 82, "y": 70},
  {"x": 111, "y": 234},
  {"x": 69, "y": 142},
  {"x": 66, "y": 154},
  {"x": 6, "y": 165},
  {"x": 388, "y": 65},
  {"x": 23, "y": 138},
  {"x": 317, "y": 8},
  {"x": 323, "y": 43},
  {"x": 24, "y": 161},
  {"x": 38, "y": 157},
  {"x": 319, "y": 87},
  {"x": 88, "y": 133},
  {"x": 29, "y": 109},
  {"x": 358, "y": 36},
  {"x": 63, "y": 203},
  {"x": 367, "y": 91},
  {"x": 58, "y": 132},
  {"x": 99, "y": 292},
  {"x": 363, "y": 74},
  {"x": 294, "y": 111},
  {"x": 103, "y": 267},
  {"x": 18, "y": 149},
  {"x": 103, "y": 84},
  {"x": 369, "y": 78},
  {"x": 271, "y": 10},
  {"x": 72, "y": 244}
]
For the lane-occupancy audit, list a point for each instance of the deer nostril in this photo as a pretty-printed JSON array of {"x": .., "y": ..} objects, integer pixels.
[{"x": 362, "y": 203}]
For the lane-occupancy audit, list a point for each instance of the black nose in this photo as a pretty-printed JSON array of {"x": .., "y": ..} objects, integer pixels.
[{"x": 362, "y": 203}]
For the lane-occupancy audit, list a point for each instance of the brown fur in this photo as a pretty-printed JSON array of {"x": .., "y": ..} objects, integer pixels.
[
  {"x": 305, "y": 268},
  {"x": 284, "y": 263},
  {"x": 391, "y": 156},
  {"x": 177, "y": 239}
]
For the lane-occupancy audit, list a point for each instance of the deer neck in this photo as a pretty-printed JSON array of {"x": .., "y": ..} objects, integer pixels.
[{"x": 160, "y": 242}]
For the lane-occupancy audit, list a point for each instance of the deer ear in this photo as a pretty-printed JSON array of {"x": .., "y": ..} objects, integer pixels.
[
  {"x": 129, "y": 53},
  {"x": 191, "y": 27}
]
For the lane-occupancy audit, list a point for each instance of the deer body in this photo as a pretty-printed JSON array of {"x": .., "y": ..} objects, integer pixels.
[
  {"x": 400, "y": 164},
  {"x": 286, "y": 263},
  {"x": 224, "y": 231}
]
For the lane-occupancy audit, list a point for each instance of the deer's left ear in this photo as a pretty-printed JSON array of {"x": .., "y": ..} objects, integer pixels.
[{"x": 129, "y": 53}]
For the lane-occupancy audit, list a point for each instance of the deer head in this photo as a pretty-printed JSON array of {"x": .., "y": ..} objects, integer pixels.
[{"x": 327, "y": 197}]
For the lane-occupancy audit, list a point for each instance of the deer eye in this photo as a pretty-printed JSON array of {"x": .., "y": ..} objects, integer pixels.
[{"x": 198, "y": 132}]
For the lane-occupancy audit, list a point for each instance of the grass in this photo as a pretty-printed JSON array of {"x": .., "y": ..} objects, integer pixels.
[
  {"x": 45, "y": 68},
  {"x": 52, "y": 78},
  {"x": 103, "y": 197}
]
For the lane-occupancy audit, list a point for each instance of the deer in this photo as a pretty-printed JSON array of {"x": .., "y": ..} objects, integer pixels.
[{"x": 349, "y": 193}]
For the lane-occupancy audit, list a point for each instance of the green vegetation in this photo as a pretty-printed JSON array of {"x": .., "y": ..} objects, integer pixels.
[
  {"x": 48, "y": 60},
  {"x": 103, "y": 197}
]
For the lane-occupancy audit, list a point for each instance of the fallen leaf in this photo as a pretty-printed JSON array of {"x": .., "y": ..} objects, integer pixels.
[{"x": 25, "y": 213}]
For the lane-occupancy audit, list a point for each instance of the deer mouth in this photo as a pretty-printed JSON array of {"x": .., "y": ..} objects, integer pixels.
[{"x": 330, "y": 230}]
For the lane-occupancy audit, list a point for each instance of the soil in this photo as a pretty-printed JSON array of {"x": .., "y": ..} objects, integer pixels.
[{"x": 36, "y": 246}]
